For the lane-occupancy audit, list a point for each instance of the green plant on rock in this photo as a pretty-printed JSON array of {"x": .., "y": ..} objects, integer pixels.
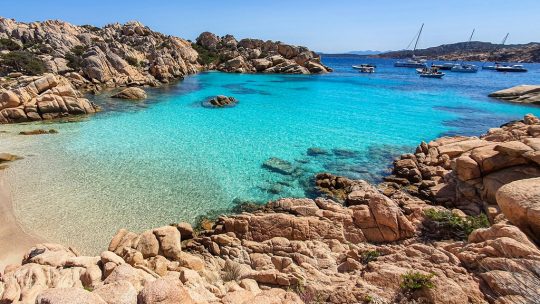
[
  {"x": 74, "y": 57},
  {"x": 452, "y": 225},
  {"x": 307, "y": 295},
  {"x": 369, "y": 256},
  {"x": 8, "y": 44},
  {"x": 414, "y": 280},
  {"x": 21, "y": 61},
  {"x": 132, "y": 61},
  {"x": 206, "y": 56}
]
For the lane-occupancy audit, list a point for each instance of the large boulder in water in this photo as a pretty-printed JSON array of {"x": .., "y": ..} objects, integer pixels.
[
  {"x": 131, "y": 93},
  {"x": 221, "y": 101},
  {"x": 520, "y": 203}
]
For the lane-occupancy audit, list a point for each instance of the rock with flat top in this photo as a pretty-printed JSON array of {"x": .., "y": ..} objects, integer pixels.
[
  {"x": 131, "y": 93},
  {"x": 520, "y": 203},
  {"x": 519, "y": 94}
]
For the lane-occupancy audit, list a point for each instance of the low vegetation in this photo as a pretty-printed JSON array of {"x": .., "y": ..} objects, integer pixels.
[
  {"x": 414, "y": 280},
  {"x": 74, "y": 57},
  {"x": 21, "y": 61},
  {"x": 449, "y": 225},
  {"x": 133, "y": 61},
  {"x": 205, "y": 56},
  {"x": 369, "y": 256},
  {"x": 8, "y": 44}
]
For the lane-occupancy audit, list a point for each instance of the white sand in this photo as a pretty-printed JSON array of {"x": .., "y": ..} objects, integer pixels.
[{"x": 14, "y": 241}]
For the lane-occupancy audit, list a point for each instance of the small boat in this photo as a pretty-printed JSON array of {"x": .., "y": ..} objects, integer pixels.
[
  {"x": 491, "y": 67},
  {"x": 365, "y": 68},
  {"x": 430, "y": 73},
  {"x": 433, "y": 75},
  {"x": 363, "y": 65},
  {"x": 497, "y": 64},
  {"x": 511, "y": 68},
  {"x": 444, "y": 66},
  {"x": 413, "y": 62},
  {"x": 465, "y": 68}
]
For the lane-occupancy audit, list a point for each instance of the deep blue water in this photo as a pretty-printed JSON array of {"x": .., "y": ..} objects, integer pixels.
[{"x": 167, "y": 159}]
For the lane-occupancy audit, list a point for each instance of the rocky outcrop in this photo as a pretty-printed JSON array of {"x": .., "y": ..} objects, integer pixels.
[
  {"x": 519, "y": 94},
  {"x": 520, "y": 204},
  {"x": 254, "y": 55},
  {"x": 506, "y": 261},
  {"x": 131, "y": 93},
  {"x": 42, "y": 98},
  {"x": 220, "y": 101},
  {"x": 466, "y": 172},
  {"x": 113, "y": 56}
]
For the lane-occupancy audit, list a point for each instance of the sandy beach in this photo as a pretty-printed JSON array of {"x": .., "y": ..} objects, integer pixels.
[{"x": 14, "y": 241}]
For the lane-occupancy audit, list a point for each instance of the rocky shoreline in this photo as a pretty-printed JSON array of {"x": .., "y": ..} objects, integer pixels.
[
  {"x": 62, "y": 61},
  {"x": 456, "y": 223}
]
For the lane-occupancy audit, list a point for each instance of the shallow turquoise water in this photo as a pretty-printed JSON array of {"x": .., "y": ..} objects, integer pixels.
[{"x": 140, "y": 165}]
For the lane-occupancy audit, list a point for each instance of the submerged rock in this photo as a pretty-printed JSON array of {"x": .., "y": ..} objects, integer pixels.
[
  {"x": 38, "y": 132},
  {"x": 314, "y": 151},
  {"x": 280, "y": 166},
  {"x": 345, "y": 153},
  {"x": 131, "y": 93},
  {"x": 6, "y": 157}
]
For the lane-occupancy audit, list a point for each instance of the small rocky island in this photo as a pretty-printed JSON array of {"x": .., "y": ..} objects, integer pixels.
[
  {"x": 220, "y": 101},
  {"x": 519, "y": 94},
  {"x": 457, "y": 222}
]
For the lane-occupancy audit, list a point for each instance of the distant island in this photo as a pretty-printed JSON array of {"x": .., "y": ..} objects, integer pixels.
[{"x": 474, "y": 51}]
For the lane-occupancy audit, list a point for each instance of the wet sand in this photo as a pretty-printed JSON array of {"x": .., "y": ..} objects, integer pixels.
[{"x": 14, "y": 241}]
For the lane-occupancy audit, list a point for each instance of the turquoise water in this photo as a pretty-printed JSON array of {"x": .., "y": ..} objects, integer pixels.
[{"x": 168, "y": 159}]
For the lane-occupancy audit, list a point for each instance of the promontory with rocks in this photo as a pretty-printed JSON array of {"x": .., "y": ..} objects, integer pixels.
[{"x": 456, "y": 220}]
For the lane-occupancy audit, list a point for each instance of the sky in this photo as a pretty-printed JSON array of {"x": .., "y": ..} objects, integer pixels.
[{"x": 326, "y": 26}]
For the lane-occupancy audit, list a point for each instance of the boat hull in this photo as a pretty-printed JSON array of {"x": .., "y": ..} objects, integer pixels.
[
  {"x": 438, "y": 76},
  {"x": 511, "y": 70},
  {"x": 409, "y": 65}
]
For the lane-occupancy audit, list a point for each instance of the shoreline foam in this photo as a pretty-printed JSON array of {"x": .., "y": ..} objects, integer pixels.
[{"x": 14, "y": 241}]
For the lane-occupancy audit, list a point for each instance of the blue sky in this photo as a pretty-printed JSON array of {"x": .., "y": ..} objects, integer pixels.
[{"x": 329, "y": 26}]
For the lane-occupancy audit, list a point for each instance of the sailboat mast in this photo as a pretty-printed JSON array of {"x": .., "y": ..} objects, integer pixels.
[
  {"x": 505, "y": 37},
  {"x": 418, "y": 38}
]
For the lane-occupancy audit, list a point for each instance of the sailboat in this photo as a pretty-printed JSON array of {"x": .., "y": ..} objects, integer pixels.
[
  {"x": 494, "y": 67},
  {"x": 413, "y": 62},
  {"x": 465, "y": 68},
  {"x": 505, "y": 67}
]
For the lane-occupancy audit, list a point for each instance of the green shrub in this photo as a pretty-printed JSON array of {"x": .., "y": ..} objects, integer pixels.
[
  {"x": 74, "y": 57},
  {"x": 205, "y": 56},
  {"x": 79, "y": 50},
  {"x": 91, "y": 28},
  {"x": 132, "y": 61},
  {"x": 21, "y": 61},
  {"x": 370, "y": 255},
  {"x": 8, "y": 44},
  {"x": 452, "y": 225},
  {"x": 414, "y": 280}
]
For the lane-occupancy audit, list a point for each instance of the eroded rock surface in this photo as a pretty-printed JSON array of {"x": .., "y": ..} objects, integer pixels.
[
  {"x": 519, "y": 94},
  {"x": 254, "y": 55},
  {"x": 42, "y": 98}
]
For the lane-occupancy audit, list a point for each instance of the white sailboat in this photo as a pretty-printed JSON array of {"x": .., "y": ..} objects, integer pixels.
[
  {"x": 496, "y": 65},
  {"x": 413, "y": 62},
  {"x": 465, "y": 68}
]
